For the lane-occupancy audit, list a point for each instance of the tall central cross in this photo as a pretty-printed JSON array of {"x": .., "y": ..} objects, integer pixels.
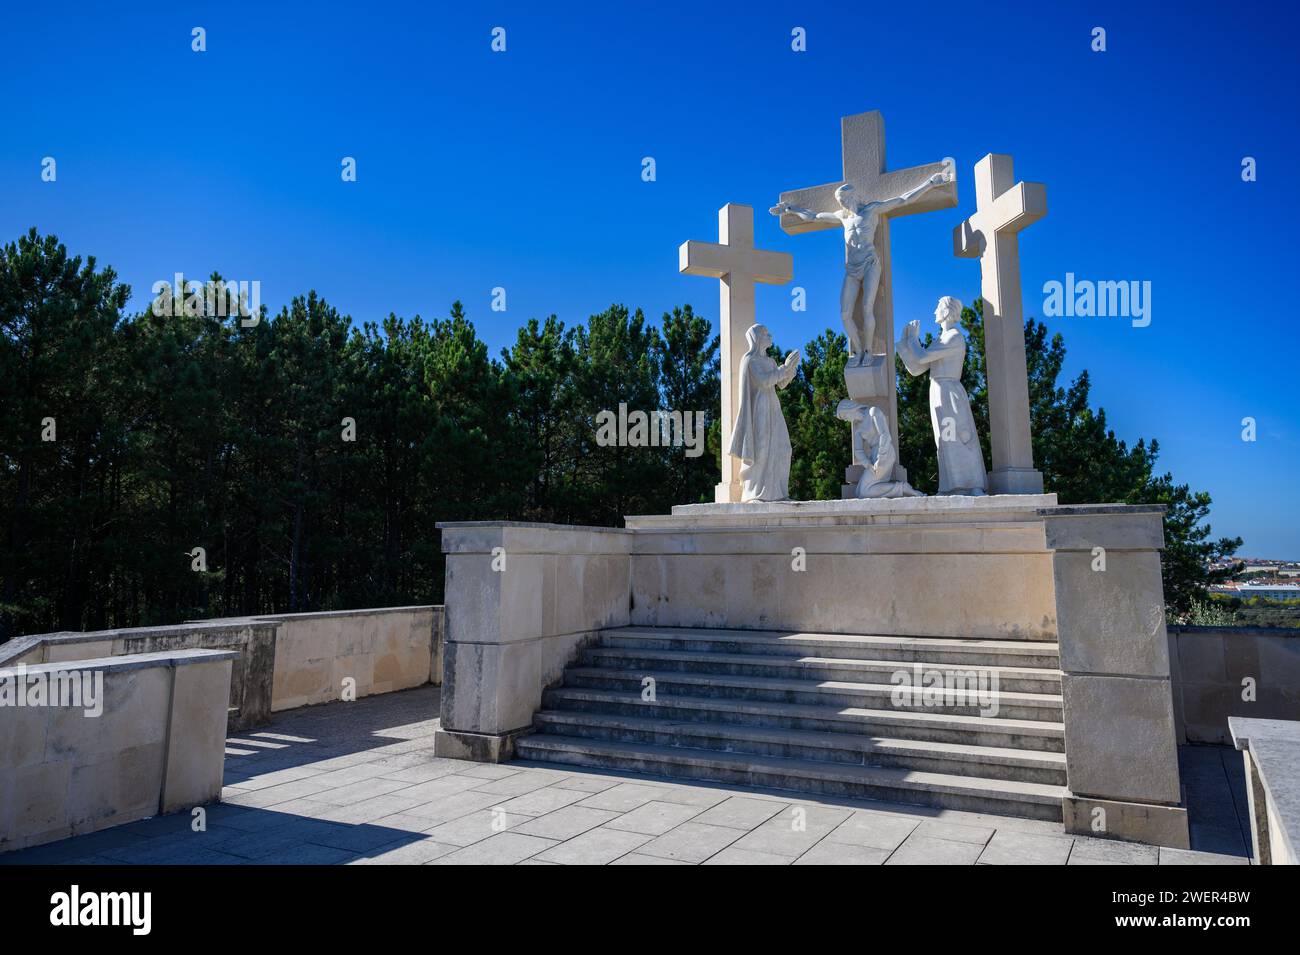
[
  {"x": 1002, "y": 208},
  {"x": 862, "y": 145},
  {"x": 735, "y": 261}
]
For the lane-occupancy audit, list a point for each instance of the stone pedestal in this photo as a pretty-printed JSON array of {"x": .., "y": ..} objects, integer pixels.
[{"x": 999, "y": 567}]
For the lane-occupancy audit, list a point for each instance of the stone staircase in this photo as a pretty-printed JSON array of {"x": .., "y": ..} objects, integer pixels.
[{"x": 814, "y": 713}]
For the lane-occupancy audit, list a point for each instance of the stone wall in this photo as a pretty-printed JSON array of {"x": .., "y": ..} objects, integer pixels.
[
  {"x": 937, "y": 567},
  {"x": 253, "y": 642},
  {"x": 527, "y": 598},
  {"x": 157, "y": 745},
  {"x": 284, "y": 661},
  {"x": 1220, "y": 672},
  {"x": 382, "y": 650}
]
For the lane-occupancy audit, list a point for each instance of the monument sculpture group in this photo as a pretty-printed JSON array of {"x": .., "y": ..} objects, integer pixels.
[
  {"x": 862, "y": 205},
  {"x": 694, "y": 643}
]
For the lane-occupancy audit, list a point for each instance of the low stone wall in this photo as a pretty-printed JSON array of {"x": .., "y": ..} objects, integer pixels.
[
  {"x": 283, "y": 661},
  {"x": 252, "y": 640},
  {"x": 1221, "y": 672},
  {"x": 156, "y": 744},
  {"x": 378, "y": 651}
]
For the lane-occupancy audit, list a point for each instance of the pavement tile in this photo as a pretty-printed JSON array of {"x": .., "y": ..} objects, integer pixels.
[
  {"x": 1025, "y": 848},
  {"x": 405, "y": 853},
  {"x": 1087, "y": 851},
  {"x": 740, "y": 812},
  {"x": 927, "y": 850},
  {"x": 566, "y": 823},
  {"x": 595, "y": 847},
  {"x": 954, "y": 833},
  {"x": 623, "y": 797},
  {"x": 691, "y": 842},
  {"x": 504, "y": 848},
  {"x": 654, "y": 818},
  {"x": 842, "y": 853}
]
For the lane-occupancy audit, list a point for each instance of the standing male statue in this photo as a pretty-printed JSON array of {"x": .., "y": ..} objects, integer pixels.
[{"x": 861, "y": 264}]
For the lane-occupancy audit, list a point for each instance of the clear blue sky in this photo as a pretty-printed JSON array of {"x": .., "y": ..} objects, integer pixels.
[{"x": 522, "y": 170}]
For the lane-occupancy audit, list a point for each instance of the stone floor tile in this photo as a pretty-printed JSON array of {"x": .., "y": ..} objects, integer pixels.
[
  {"x": 623, "y": 797},
  {"x": 741, "y": 812},
  {"x": 405, "y": 853},
  {"x": 1187, "y": 857},
  {"x": 566, "y": 823},
  {"x": 842, "y": 853},
  {"x": 476, "y": 826},
  {"x": 504, "y": 848},
  {"x": 954, "y": 833},
  {"x": 927, "y": 850},
  {"x": 873, "y": 830},
  {"x": 691, "y": 842},
  {"x": 1088, "y": 851},
  {"x": 595, "y": 847},
  {"x": 541, "y": 801},
  {"x": 654, "y": 818},
  {"x": 1008, "y": 847},
  {"x": 734, "y": 855},
  {"x": 636, "y": 858}
]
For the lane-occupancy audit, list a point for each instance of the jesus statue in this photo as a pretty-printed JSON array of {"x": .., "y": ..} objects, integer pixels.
[{"x": 861, "y": 263}]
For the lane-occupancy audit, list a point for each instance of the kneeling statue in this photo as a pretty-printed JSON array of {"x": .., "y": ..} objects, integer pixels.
[{"x": 873, "y": 448}]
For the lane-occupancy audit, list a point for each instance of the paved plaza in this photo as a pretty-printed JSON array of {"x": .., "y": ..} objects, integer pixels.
[{"x": 357, "y": 783}]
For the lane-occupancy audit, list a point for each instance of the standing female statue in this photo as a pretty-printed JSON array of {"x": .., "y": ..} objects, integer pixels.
[
  {"x": 961, "y": 461},
  {"x": 760, "y": 438}
]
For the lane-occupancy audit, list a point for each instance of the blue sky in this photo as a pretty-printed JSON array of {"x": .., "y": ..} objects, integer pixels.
[{"x": 522, "y": 170}]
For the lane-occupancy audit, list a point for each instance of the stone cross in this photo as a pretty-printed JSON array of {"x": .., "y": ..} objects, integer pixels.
[
  {"x": 735, "y": 261},
  {"x": 1004, "y": 207},
  {"x": 862, "y": 147}
]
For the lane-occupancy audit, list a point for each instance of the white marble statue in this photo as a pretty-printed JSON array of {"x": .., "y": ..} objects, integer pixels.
[
  {"x": 873, "y": 448},
  {"x": 760, "y": 438},
  {"x": 961, "y": 461},
  {"x": 862, "y": 267}
]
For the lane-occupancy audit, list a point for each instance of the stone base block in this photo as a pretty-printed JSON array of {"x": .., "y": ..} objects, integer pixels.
[
  {"x": 1130, "y": 821},
  {"x": 1015, "y": 481},
  {"x": 478, "y": 747}
]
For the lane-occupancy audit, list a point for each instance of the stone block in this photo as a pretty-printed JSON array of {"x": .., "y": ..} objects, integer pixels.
[
  {"x": 1119, "y": 739},
  {"x": 1111, "y": 621},
  {"x": 118, "y": 786},
  {"x": 133, "y": 700},
  {"x": 196, "y": 742},
  {"x": 1131, "y": 822},
  {"x": 490, "y": 688}
]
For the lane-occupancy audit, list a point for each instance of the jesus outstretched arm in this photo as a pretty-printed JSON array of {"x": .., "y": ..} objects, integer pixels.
[
  {"x": 886, "y": 204},
  {"x": 807, "y": 215}
]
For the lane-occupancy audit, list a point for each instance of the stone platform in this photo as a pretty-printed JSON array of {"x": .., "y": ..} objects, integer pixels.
[{"x": 1006, "y": 568}]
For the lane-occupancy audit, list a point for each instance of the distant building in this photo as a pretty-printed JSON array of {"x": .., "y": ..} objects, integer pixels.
[{"x": 1270, "y": 591}]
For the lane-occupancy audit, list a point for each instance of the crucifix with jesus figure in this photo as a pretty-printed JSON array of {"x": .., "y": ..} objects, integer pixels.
[{"x": 862, "y": 204}]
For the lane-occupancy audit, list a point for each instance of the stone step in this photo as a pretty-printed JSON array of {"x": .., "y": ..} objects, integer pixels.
[
  {"x": 1008, "y": 705},
  {"x": 921, "y": 725},
  {"x": 847, "y": 669},
  {"x": 970, "y": 793},
  {"x": 1022, "y": 653},
  {"x": 841, "y": 748}
]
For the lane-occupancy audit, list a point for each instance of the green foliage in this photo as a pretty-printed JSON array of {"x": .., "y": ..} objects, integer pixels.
[{"x": 184, "y": 431}]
